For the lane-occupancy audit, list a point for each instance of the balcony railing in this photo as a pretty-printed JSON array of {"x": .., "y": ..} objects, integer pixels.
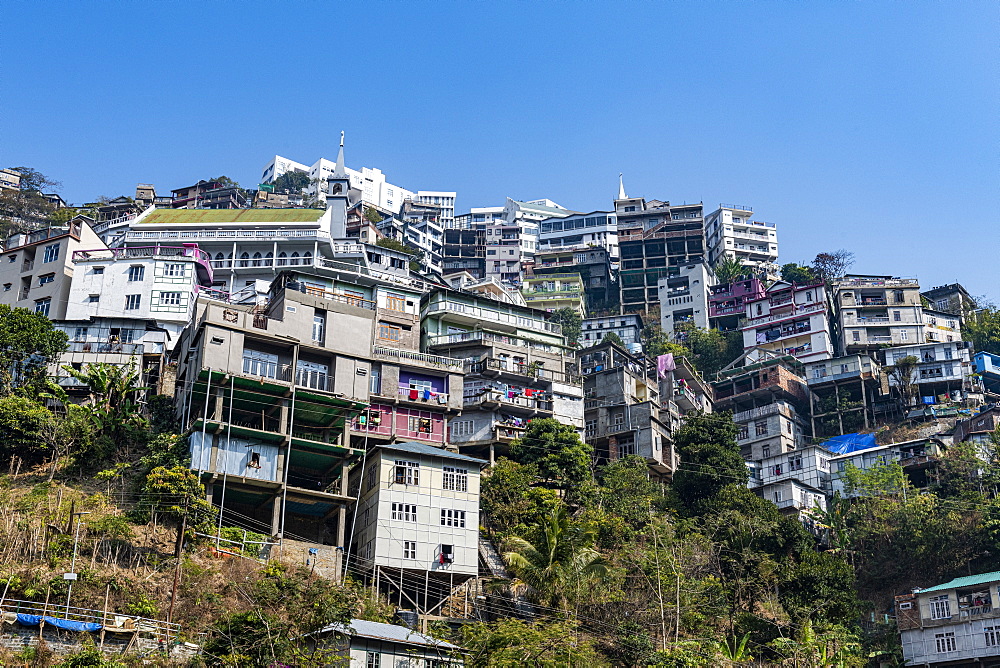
[
  {"x": 487, "y": 338},
  {"x": 106, "y": 347},
  {"x": 500, "y": 397},
  {"x": 423, "y": 396},
  {"x": 495, "y": 316},
  {"x": 133, "y": 252},
  {"x": 805, "y": 309},
  {"x": 395, "y": 354}
]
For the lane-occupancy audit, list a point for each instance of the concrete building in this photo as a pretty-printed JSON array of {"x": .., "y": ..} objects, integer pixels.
[
  {"x": 956, "y": 623},
  {"x": 267, "y": 395},
  {"x": 979, "y": 428},
  {"x": 987, "y": 365},
  {"x": 727, "y": 303},
  {"x": 518, "y": 366},
  {"x": 417, "y": 530},
  {"x": 595, "y": 269},
  {"x": 364, "y": 644},
  {"x": 729, "y": 231},
  {"x": 10, "y": 179},
  {"x": 918, "y": 458},
  {"x": 551, "y": 292},
  {"x": 36, "y": 268},
  {"x": 527, "y": 216},
  {"x": 873, "y": 311},
  {"x": 655, "y": 239},
  {"x": 790, "y": 319},
  {"x": 941, "y": 326},
  {"x": 444, "y": 201},
  {"x": 943, "y": 373},
  {"x": 209, "y": 195},
  {"x": 952, "y": 298},
  {"x": 488, "y": 287},
  {"x": 627, "y": 327},
  {"x": 684, "y": 298},
  {"x": 842, "y": 394},
  {"x": 504, "y": 250},
  {"x": 477, "y": 216},
  {"x": 795, "y": 481},
  {"x": 624, "y": 413},
  {"x": 465, "y": 250},
  {"x": 584, "y": 230}
]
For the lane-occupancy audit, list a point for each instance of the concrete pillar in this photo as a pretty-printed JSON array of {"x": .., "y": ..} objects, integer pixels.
[
  {"x": 220, "y": 394},
  {"x": 275, "y": 515},
  {"x": 341, "y": 525}
]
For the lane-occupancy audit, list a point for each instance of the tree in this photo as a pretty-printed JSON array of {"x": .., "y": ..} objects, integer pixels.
[
  {"x": 23, "y": 423},
  {"x": 396, "y": 245},
  {"x": 33, "y": 181},
  {"x": 982, "y": 328},
  {"x": 710, "y": 459},
  {"x": 710, "y": 349},
  {"x": 28, "y": 344},
  {"x": 25, "y": 209},
  {"x": 902, "y": 372},
  {"x": 611, "y": 337},
  {"x": 113, "y": 401},
  {"x": 655, "y": 342},
  {"x": 512, "y": 642},
  {"x": 556, "y": 451},
  {"x": 571, "y": 321},
  {"x": 510, "y": 501},
  {"x": 828, "y": 266},
  {"x": 557, "y": 565},
  {"x": 372, "y": 215},
  {"x": 225, "y": 182},
  {"x": 729, "y": 269},
  {"x": 797, "y": 273},
  {"x": 292, "y": 181},
  {"x": 176, "y": 495}
]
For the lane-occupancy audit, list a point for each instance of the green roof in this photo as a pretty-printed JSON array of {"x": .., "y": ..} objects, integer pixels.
[
  {"x": 967, "y": 581},
  {"x": 174, "y": 216}
]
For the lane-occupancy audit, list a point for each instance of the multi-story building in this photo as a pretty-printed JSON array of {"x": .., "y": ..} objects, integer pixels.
[
  {"x": 729, "y": 231},
  {"x": 440, "y": 200},
  {"x": 624, "y": 413},
  {"x": 551, "y": 292},
  {"x": 10, "y": 179},
  {"x": 684, "y": 297},
  {"x": 416, "y": 536},
  {"x": 943, "y": 373},
  {"x": 918, "y": 458},
  {"x": 875, "y": 311},
  {"x": 842, "y": 394},
  {"x": 488, "y": 287},
  {"x": 209, "y": 195},
  {"x": 129, "y": 306},
  {"x": 655, "y": 239},
  {"x": 36, "y": 268},
  {"x": 627, "y": 327},
  {"x": 504, "y": 250},
  {"x": 518, "y": 367},
  {"x": 987, "y": 365},
  {"x": 267, "y": 395},
  {"x": 795, "y": 481},
  {"x": 952, "y": 298},
  {"x": 979, "y": 428},
  {"x": 941, "y": 326},
  {"x": 790, "y": 319},
  {"x": 956, "y": 623},
  {"x": 584, "y": 230},
  {"x": 527, "y": 216},
  {"x": 477, "y": 216},
  {"x": 594, "y": 266},
  {"x": 465, "y": 250},
  {"x": 769, "y": 400},
  {"x": 727, "y": 303}
]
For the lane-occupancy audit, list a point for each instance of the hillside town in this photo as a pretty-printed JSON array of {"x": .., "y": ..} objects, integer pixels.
[{"x": 416, "y": 402}]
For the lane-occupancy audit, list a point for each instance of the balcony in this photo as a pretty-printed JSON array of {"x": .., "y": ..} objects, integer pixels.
[
  {"x": 507, "y": 433},
  {"x": 805, "y": 309},
  {"x": 421, "y": 359},
  {"x": 105, "y": 347},
  {"x": 478, "y": 313},
  {"x": 500, "y": 398},
  {"x": 27, "y": 265},
  {"x": 422, "y": 396},
  {"x": 488, "y": 338},
  {"x": 764, "y": 411}
]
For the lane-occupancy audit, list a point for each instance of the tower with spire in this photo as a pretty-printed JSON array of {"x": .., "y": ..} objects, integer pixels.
[
  {"x": 621, "y": 187},
  {"x": 338, "y": 189}
]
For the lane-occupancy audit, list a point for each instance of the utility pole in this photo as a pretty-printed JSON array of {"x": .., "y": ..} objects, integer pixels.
[
  {"x": 71, "y": 576},
  {"x": 177, "y": 569}
]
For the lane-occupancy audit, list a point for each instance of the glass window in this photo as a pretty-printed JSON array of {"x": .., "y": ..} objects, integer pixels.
[
  {"x": 373, "y": 660},
  {"x": 136, "y": 272},
  {"x": 452, "y": 518},
  {"x": 42, "y": 306},
  {"x": 404, "y": 512},
  {"x": 456, "y": 479},
  {"x": 409, "y": 549},
  {"x": 388, "y": 332},
  {"x": 173, "y": 269},
  {"x": 80, "y": 334},
  {"x": 51, "y": 253},
  {"x": 46, "y": 278},
  {"x": 945, "y": 642},
  {"x": 132, "y": 302},
  {"x": 940, "y": 607},
  {"x": 407, "y": 473},
  {"x": 170, "y": 299}
]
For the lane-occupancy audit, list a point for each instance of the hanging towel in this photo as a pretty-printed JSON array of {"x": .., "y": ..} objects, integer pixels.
[
  {"x": 442, "y": 398},
  {"x": 427, "y": 395},
  {"x": 413, "y": 394},
  {"x": 665, "y": 363}
]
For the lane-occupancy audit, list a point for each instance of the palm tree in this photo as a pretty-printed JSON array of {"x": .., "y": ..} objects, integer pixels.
[
  {"x": 556, "y": 567},
  {"x": 729, "y": 269},
  {"x": 735, "y": 652},
  {"x": 112, "y": 405}
]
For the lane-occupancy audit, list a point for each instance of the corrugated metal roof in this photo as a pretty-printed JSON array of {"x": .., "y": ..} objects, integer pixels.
[
  {"x": 190, "y": 216},
  {"x": 379, "y": 631},
  {"x": 967, "y": 581},
  {"x": 431, "y": 451}
]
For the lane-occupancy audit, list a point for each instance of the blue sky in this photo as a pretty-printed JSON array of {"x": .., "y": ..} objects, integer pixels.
[{"x": 868, "y": 126}]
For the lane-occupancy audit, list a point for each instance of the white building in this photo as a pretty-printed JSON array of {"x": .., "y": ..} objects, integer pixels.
[
  {"x": 875, "y": 311},
  {"x": 684, "y": 298},
  {"x": 799, "y": 479},
  {"x": 729, "y": 231},
  {"x": 915, "y": 457},
  {"x": 376, "y": 645},
  {"x": 527, "y": 216},
  {"x": 944, "y": 371},
  {"x": 477, "y": 216},
  {"x": 416, "y": 535},
  {"x": 628, "y": 327},
  {"x": 597, "y": 228},
  {"x": 372, "y": 183},
  {"x": 790, "y": 319},
  {"x": 952, "y": 624}
]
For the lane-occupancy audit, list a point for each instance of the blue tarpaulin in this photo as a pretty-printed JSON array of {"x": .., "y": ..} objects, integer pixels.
[
  {"x": 69, "y": 625},
  {"x": 841, "y": 445}
]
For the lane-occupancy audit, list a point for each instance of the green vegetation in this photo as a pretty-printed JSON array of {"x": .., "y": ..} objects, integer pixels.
[{"x": 571, "y": 321}]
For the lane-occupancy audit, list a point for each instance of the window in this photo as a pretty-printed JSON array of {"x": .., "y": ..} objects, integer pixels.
[
  {"x": 254, "y": 460},
  {"x": 46, "y": 278},
  {"x": 80, "y": 334},
  {"x": 173, "y": 269},
  {"x": 257, "y": 363},
  {"x": 778, "y": 496},
  {"x": 992, "y": 635},
  {"x": 132, "y": 302},
  {"x": 375, "y": 386},
  {"x": 776, "y": 469},
  {"x": 97, "y": 270},
  {"x": 765, "y": 452},
  {"x": 903, "y": 335},
  {"x": 51, "y": 253},
  {"x": 371, "y": 476},
  {"x": 407, "y": 473},
  {"x": 395, "y": 303},
  {"x": 319, "y": 326},
  {"x": 170, "y": 299},
  {"x": 897, "y": 316},
  {"x": 453, "y": 518},
  {"x": 809, "y": 295},
  {"x": 455, "y": 479},
  {"x": 93, "y": 299},
  {"x": 136, "y": 272},
  {"x": 420, "y": 425},
  {"x": 795, "y": 463},
  {"x": 405, "y": 512},
  {"x": 409, "y": 549},
  {"x": 945, "y": 642},
  {"x": 855, "y": 335},
  {"x": 761, "y": 428},
  {"x": 373, "y": 660},
  {"x": 940, "y": 607},
  {"x": 388, "y": 332},
  {"x": 42, "y": 306},
  {"x": 461, "y": 428}
]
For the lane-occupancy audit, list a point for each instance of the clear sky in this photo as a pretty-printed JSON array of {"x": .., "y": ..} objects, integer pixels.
[{"x": 870, "y": 126}]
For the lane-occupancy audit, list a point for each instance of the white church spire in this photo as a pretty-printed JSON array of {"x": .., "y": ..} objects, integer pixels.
[{"x": 621, "y": 188}]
